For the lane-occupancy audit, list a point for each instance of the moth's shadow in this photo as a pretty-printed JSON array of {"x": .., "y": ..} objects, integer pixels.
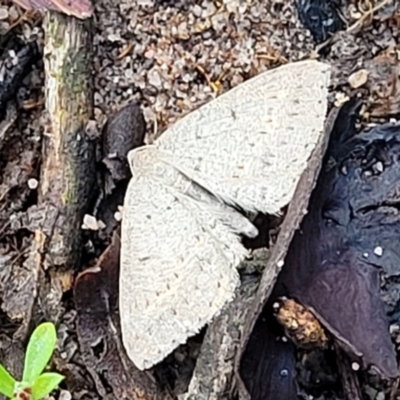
[{"x": 268, "y": 229}]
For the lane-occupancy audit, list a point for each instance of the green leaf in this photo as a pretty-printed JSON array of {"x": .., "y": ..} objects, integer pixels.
[
  {"x": 45, "y": 384},
  {"x": 7, "y": 382},
  {"x": 39, "y": 351}
]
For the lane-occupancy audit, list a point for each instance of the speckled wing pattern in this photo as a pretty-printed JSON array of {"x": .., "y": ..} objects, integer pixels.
[
  {"x": 180, "y": 242},
  {"x": 250, "y": 145}
]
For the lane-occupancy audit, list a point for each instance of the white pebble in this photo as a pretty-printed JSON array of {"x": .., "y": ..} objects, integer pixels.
[
  {"x": 280, "y": 263},
  {"x": 3, "y": 13},
  {"x": 101, "y": 224},
  {"x": 381, "y": 396},
  {"x": 118, "y": 216},
  {"x": 394, "y": 328},
  {"x": 379, "y": 166},
  {"x": 378, "y": 251},
  {"x": 154, "y": 78},
  {"x": 197, "y": 10},
  {"x": 33, "y": 183},
  {"x": 358, "y": 78},
  {"x": 355, "y": 366},
  {"x": 114, "y": 37},
  {"x": 341, "y": 98},
  {"x": 90, "y": 222},
  {"x": 65, "y": 395}
]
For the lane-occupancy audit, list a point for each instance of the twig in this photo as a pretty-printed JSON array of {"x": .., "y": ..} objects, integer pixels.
[{"x": 367, "y": 14}]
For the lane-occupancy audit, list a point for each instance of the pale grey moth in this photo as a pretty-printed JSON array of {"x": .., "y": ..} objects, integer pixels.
[{"x": 180, "y": 242}]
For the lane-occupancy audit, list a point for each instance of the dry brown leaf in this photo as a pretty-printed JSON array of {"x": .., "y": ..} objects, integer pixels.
[{"x": 78, "y": 8}]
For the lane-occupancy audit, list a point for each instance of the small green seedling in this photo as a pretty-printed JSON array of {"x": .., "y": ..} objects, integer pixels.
[{"x": 35, "y": 384}]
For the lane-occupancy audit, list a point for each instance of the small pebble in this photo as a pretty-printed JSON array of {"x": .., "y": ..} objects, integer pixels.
[
  {"x": 118, "y": 216},
  {"x": 284, "y": 372},
  {"x": 354, "y": 12},
  {"x": 280, "y": 263},
  {"x": 380, "y": 396},
  {"x": 90, "y": 222},
  {"x": 91, "y": 129},
  {"x": 13, "y": 14},
  {"x": 340, "y": 99},
  {"x": 276, "y": 306},
  {"x": 101, "y": 224},
  {"x": 65, "y": 395},
  {"x": 378, "y": 167},
  {"x": 33, "y": 183},
  {"x": 3, "y": 13},
  {"x": 358, "y": 78},
  {"x": 355, "y": 366},
  {"x": 394, "y": 328},
  {"x": 378, "y": 251},
  {"x": 371, "y": 392}
]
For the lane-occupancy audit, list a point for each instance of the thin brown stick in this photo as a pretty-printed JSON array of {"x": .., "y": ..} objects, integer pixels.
[
  {"x": 68, "y": 167},
  {"x": 368, "y": 14}
]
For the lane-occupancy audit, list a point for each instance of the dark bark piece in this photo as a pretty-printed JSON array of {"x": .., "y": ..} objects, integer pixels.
[
  {"x": 320, "y": 17},
  {"x": 124, "y": 131},
  {"x": 323, "y": 270},
  {"x": 275, "y": 379},
  {"x": 19, "y": 290},
  {"x": 333, "y": 262},
  {"x": 318, "y": 374},
  {"x": 27, "y": 55},
  {"x": 347, "y": 301},
  {"x": 19, "y": 281},
  {"x": 12, "y": 357},
  {"x": 96, "y": 300}
]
